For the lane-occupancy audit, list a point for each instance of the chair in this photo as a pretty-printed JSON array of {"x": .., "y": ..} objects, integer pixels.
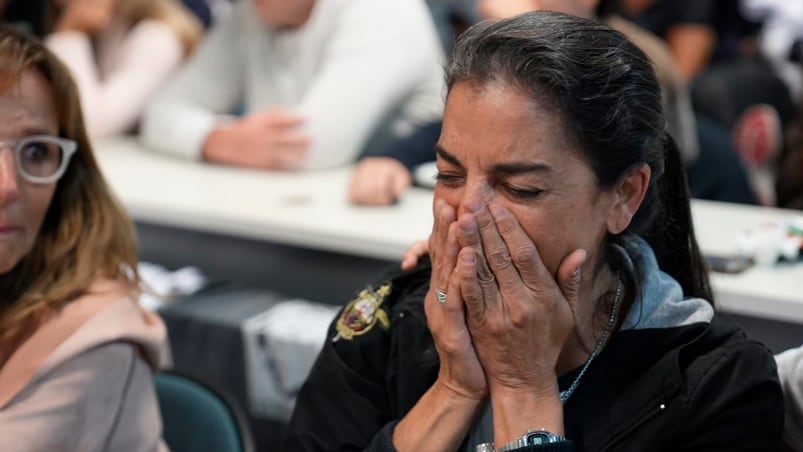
[{"x": 197, "y": 418}]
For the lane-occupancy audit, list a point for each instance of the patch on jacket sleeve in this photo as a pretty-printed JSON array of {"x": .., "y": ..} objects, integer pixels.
[{"x": 362, "y": 314}]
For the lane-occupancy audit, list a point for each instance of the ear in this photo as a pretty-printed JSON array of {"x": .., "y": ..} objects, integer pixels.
[{"x": 628, "y": 197}]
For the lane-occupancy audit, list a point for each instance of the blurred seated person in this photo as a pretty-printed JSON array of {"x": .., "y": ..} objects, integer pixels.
[
  {"x": 77, "y": 354},
  {"x": 557, "y": 311},
  {"x": 790, "y": 371},
  {"x": 314, "y": 79},
  {"x": 789, "y": 181},
  {"x": 780, "y": 39},
  {"x": 380, "y": 178},
  {"x": 687, "y": 26},
  {"x": 120, "y": 52},
  {"x": 716, "y": 49}
]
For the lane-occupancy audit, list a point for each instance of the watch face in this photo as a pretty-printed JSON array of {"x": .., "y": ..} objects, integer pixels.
[{"x": 537, "y": 438}]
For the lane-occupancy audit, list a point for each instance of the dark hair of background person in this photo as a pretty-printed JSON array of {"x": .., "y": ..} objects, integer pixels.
[
  {"x": 605, "y": 89},
  {"x": 85, "y": 233},
  {"x": 26, "y": 15}
]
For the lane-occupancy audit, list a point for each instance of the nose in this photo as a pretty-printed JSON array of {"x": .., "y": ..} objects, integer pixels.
[
  {"x": 9, "y": 183},
  {"x": 473, "y": 191}
]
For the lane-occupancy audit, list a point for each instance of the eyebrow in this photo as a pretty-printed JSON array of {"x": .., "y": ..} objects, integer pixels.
[
  {"x": 444, "y": 154},
  {"x": 511, "y": 168}
]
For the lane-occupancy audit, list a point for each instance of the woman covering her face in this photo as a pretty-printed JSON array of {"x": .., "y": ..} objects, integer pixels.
[
  {"x": 565, "y": 305},
  {"x": 77, "y": 354}
]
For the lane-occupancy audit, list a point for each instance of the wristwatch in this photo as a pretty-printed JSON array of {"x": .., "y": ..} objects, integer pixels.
[{"x": 531, "y": 438}]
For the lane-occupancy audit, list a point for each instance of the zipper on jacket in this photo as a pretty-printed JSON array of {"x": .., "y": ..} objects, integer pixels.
[{"x": 659, "y": 408}]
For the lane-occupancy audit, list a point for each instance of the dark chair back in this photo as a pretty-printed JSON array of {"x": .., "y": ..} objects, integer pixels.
[{"x": 198, "y": 418}]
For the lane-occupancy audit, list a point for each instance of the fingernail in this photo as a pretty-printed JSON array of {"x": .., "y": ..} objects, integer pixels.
[
  {"x": 585, "y": 256},
  {"x": 468, "y": 227},
  {"x": 468, "y": 258}
]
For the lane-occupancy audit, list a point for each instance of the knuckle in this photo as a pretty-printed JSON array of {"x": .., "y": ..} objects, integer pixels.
[
  {"x": 472, "y": 296},
  {"x": 524, "y": 255},
  {"x": 520, "y": 316},
  {"x": 499, "y": 258},
  {"x": 486, "y": 278}
]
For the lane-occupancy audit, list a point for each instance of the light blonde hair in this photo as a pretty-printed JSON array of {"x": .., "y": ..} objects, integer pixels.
[
  {"x": 130, "y": 12},
  {"x": 85, "y": 233},
  {"x": 181, "y": 20}
]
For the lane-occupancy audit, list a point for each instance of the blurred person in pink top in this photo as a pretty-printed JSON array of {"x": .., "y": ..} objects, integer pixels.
[{"x": 120, "y": 52}]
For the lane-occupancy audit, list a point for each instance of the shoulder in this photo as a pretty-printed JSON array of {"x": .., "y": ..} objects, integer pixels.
[
  {"x": 153, "y": 33},
  {"x": 108, "y": 312},
  {"x": 406, "y": 16},
  {"x": 731, "y": 383},
  {"x": 360, "y": 335},
  {"x": 100, "y": 395},
  {"x": 724, "y": 349},
  {"x": 375, "y": 305}
]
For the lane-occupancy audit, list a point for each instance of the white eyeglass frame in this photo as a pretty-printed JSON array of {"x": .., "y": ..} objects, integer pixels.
[{"x": 68, "y": 148}]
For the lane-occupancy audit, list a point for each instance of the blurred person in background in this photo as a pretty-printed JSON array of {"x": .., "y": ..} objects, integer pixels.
[
  {"x": 716, "y": 46},
  {"x": 120, "y": 52},
  {"x": 380, "y": 178},
  {"x": 789, "y": 180},
  {"x": 285, "y": 85},
  {"x": 790, "y": 371},
  {"x": 77, "y": 354}
]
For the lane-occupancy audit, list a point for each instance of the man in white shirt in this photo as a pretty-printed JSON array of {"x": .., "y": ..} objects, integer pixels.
[{"x": 317, "y": 79}]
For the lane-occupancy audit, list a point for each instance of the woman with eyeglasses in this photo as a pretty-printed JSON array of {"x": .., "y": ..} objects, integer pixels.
[{"x": 77, "y": 354}]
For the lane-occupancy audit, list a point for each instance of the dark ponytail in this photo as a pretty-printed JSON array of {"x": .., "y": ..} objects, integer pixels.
[{"x": 671, "y": 232}]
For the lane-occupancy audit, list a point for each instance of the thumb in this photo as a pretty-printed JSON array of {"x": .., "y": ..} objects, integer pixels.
[{"x": 570, "y": 275}]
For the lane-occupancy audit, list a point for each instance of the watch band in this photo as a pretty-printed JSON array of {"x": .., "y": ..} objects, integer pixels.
[{"x": 531, "y": 438}]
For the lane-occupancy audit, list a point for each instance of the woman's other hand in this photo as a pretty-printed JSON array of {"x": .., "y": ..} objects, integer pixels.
[
  {"x": 443, "y": 416},
  {"x": 460, "y": 369}
]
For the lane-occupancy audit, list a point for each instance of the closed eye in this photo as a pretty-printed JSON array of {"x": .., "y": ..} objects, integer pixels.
[
  {"x": 523, "y": 193},
  {"x": 449, "y": 180}
]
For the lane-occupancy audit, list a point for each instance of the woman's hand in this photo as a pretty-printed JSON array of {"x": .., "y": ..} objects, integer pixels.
[
  {"x": 460, "y": 369},
  {"x": 443, "y": 416},
  {"x": 518, "y": 314}
]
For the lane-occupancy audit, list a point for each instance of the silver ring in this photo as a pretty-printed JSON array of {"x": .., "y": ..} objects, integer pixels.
[{"x": 440, "y": 296}]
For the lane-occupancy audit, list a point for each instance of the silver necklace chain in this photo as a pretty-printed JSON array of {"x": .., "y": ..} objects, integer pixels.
[{"x": 564, "y": 395}]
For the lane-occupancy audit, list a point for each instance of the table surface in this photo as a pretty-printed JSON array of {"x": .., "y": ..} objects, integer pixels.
[{"x": 310, "y": 209}]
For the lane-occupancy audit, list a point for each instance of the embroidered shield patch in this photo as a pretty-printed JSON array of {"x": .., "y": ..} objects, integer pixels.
[{"x": 362, "y": 314}]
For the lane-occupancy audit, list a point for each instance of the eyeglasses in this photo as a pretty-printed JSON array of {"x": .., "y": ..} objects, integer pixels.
[{"x": 41, "y": 159}]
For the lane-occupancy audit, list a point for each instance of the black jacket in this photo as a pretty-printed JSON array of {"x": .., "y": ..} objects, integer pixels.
[{"x": 702, "y": 387}]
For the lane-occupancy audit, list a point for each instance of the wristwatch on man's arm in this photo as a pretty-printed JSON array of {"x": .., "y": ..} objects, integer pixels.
[{"x": 533, "y": 440}]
